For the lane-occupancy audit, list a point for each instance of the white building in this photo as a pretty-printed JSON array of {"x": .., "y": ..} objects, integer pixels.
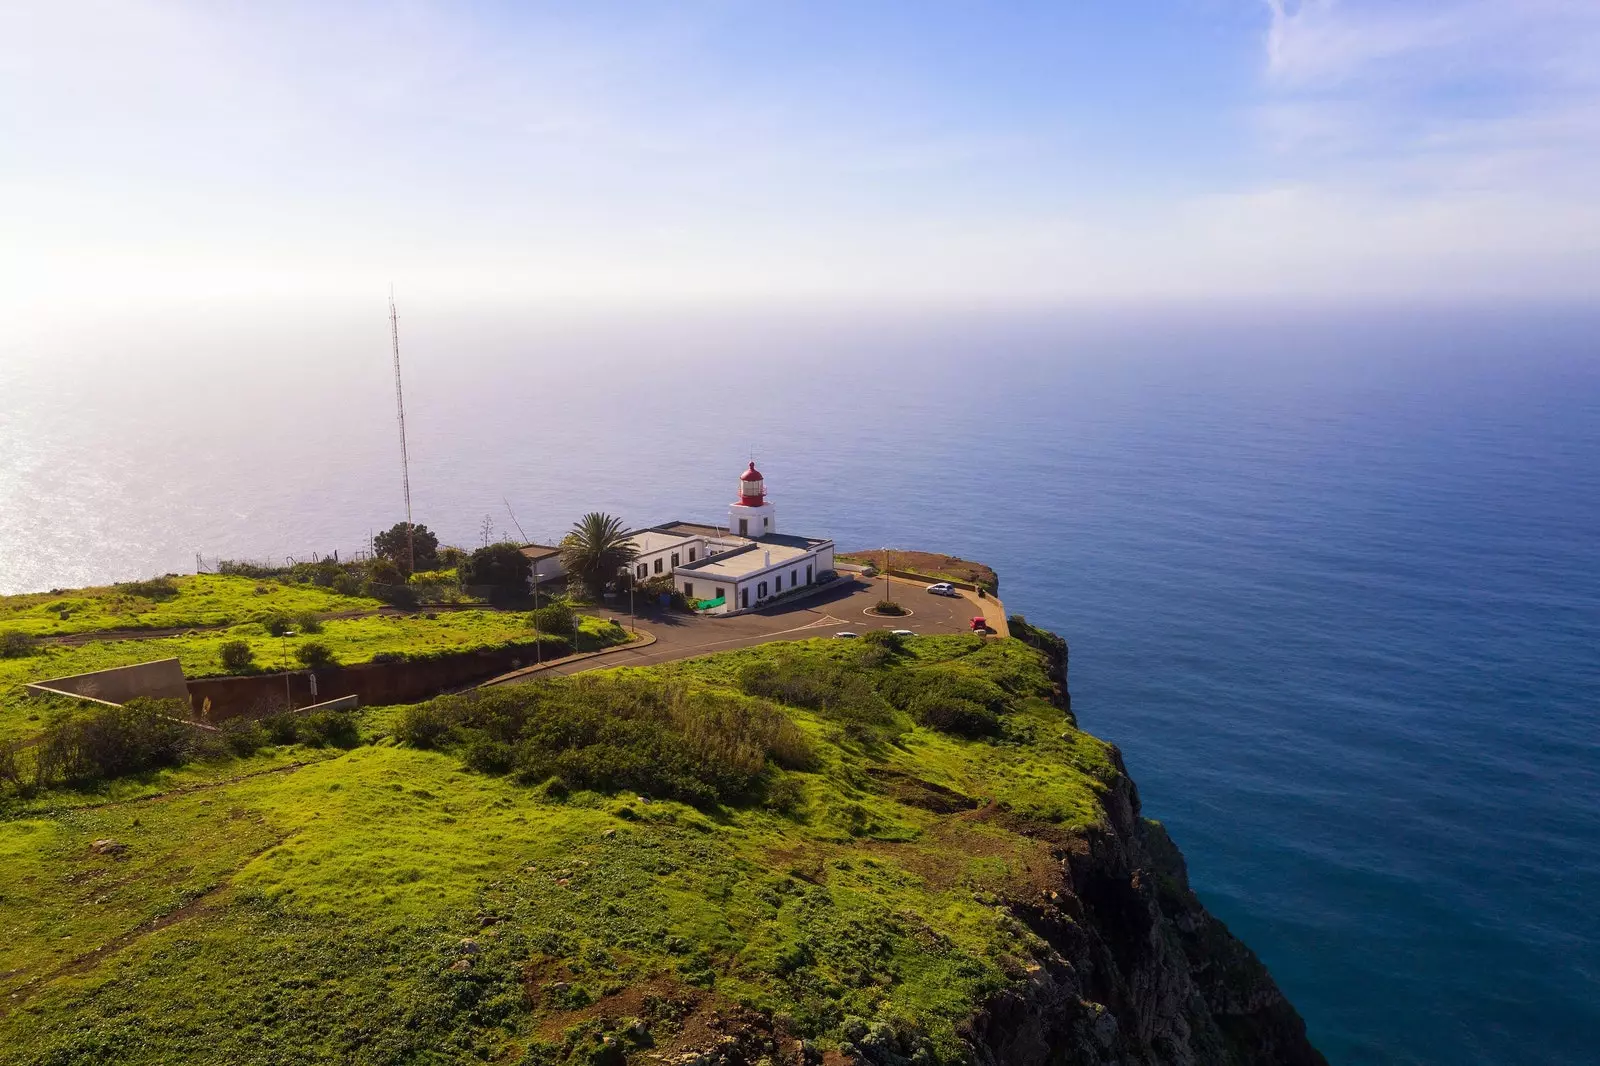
[{"x": 738, "y": 566}]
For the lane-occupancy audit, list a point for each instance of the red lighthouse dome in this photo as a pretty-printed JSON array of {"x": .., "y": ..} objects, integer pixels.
[{"x": 752, "y": 487}]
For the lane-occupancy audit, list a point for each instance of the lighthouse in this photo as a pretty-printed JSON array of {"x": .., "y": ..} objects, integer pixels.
[{"x": 751, "y": 514}]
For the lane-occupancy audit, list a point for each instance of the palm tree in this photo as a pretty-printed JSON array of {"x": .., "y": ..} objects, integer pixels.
[{"x": 595, "y": 549}]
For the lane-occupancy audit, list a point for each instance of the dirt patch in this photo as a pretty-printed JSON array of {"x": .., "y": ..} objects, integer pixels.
[{"x": 915, "y": 792}]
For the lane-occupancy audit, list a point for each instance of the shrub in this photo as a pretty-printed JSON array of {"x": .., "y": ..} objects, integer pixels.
[
  {"x": 390, "y": 657},
  {"x": 786, "y": 795},
  {"x": 321, "y": 729},
  {"x": 315, "y": 655},
  {"x": 611, "y": 733},
  {"x": 308, "y": 622},
  {"x": 347, "y": 584},
  {"x": 403, "y": 596},
  {"x": 489, "y": 756},
  {"x": 947, "y": 682},
  {"x": 157, "y": 588},
  {"x": 108, "y": 742},
  {"x": 10, "y": 764},
  {"x": 14, "y": 644},
  {"x": 281, "y": 729},
  {"x": 556, "y": 618},
  {"x": 953, "y": 715},
  {"x": 241, "y": 568},
  {"x": 276, "y": 623},
  {"x": 817, "y": 683},
  {"x": 244, "y": 737},
  {"x": 889, "y": 607},
  {"x": 236, "y": 656},
  {"x": 422, "y": 725}
]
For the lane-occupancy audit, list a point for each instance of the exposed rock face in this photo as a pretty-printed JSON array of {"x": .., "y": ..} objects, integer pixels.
[{"x": 1131, "y": 969}]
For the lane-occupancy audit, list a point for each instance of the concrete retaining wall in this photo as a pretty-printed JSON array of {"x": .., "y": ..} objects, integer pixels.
[
  {"x": 161, "y": 679},
  {"x": 374, "y": 684}
]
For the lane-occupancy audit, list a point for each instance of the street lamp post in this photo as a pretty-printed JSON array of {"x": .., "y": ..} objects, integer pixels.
[
  {"x": 283, "y": 644},
  {"x": 888, "y": 587}
]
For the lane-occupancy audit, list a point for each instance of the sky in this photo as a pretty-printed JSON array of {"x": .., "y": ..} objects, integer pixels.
[{"x": 761, "y": 151}]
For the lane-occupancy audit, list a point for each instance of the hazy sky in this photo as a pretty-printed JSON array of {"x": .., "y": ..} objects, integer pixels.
[{"x": 764, "y": 150}]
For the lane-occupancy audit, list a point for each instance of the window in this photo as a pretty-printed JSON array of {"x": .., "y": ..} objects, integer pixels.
[
  {"x": 674, "y": 558},
  {"x": 765, "y": 522},
  {"x": 744, "y": 527},
  {"x": 643, "y": 570},
  {"x": 691, "y": 555},
  {"x": 808, "y": 573},
  {"x": 761, "y": 591},
  {"x": 719, "y": 594},
  {"x": 744, "y": 596},
  {"x": 794, "y": 577},
  {"x": 658, "y": 564},
  {"x": 779, "y": 579},
  {"x": 688, "y": 590}
]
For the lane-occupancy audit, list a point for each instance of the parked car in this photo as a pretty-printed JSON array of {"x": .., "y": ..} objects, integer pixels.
[
  {"x": 902, "y": 633},
  {"x": 845, "y": 633},
  {"x": 943, "y": 588},
  {"x": 980, "y": 624}
]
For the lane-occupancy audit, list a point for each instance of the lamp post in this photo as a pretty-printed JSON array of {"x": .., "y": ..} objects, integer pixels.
[
  {"x": 888, "y": 587},
  {"x": 283, "y": 644}
]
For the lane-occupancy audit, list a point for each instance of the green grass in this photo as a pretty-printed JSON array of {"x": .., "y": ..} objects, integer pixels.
[
  {"x": 201, "y": 600},
  {"x": 352, "y": 640},
  {"x": 322, "y": 913}
]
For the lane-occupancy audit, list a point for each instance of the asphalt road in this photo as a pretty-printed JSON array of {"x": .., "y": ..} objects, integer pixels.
[{"x": 680, "y": 636}]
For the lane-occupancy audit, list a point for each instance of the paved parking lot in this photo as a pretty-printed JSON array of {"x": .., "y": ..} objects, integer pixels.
[{"x": 679, "y": 636}]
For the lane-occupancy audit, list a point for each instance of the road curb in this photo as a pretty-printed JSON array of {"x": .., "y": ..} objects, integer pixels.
[{"x": 646, "y": 638}]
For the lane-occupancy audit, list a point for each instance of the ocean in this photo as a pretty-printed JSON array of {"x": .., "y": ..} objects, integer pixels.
[{"x": 1331, "y": 577}]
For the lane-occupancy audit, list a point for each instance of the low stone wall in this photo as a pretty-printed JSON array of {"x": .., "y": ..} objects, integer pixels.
[
  {"x": 160, "y": 679},
  {"x": 373, "y": 684}
]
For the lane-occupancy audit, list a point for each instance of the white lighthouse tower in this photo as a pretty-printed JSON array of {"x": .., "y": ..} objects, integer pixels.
[{"x": 751, "y": 515}]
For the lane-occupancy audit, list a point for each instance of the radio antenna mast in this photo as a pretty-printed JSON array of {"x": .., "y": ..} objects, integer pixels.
[
  {"x": 400, "y": 415},
  {"x": 514, "y": 521}
]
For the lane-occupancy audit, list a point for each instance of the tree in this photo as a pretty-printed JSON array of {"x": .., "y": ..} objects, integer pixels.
[
  {"x": 502, "y": 567},
  {"x": 237, "y": 658},
  {"x": 595, "y": 549},
  {"x": 391, "y": 544}
]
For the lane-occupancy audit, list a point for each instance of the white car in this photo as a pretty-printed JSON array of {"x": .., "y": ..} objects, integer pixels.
[
  {"x": 943, "y": 588},
  {"x": 901, "y": 633},
  {"x": 845, "y": 633}
]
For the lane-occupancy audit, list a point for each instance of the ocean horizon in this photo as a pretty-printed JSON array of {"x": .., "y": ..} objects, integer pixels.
[{"x": 1328, "y": 576}]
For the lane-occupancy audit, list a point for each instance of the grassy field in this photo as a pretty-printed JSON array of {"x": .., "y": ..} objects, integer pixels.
[
  {"x": 387, "y": 904},
  {"x": 932, "y": 565},
  {"x": 352, "y": 640},
  {"x": 194, "y": 601}
]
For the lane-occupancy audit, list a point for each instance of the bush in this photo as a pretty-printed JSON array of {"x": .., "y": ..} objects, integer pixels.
[
  {"x": 308, "y": 622},
  {"x": 611, "y": 733},
  {"x": 817, "y": 683},
  {"x": 422, "y": 725},
  {"x": 236, "y": 656},
  {"x": 14, "y": 645},
  {"x": 786, "y": 795},
  {"x": 276, "y": 623},
  {"x": 347, "y": 584},
  {"x": 157, "y": 588},
  {"x": 143, "y": 734},
  {"x": 390, "y": 657},
  {"x": 952, "y": 715},
  {"x": 281, "y": 729},
  {"x": 315, "y": 655},
  {"x": 889, "y": 607},
  {"x": 403, "y": 596},
  {"x": 555, "y": 618},
  {"x": 244, "y": 737},
  {"x": 884, "y": 639},
  {"x": 321, "y": 729}
]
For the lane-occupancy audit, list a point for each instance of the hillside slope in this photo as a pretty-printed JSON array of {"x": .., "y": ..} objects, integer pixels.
[{"x": 812, "y": 852}]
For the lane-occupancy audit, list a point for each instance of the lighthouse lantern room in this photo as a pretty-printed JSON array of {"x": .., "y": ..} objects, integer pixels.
[{"x": 751, "y": 515}]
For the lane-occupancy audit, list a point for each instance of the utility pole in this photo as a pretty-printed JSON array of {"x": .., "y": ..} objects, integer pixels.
[
  {"x": 283, "y": 643},
  {"x": 400, "y": 415}
]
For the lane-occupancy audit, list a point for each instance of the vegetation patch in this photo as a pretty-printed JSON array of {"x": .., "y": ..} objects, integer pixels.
[{"x": 833, "y": 876}]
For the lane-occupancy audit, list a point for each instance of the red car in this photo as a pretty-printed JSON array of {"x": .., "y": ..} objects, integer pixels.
[{"x": 980, "y": 624}]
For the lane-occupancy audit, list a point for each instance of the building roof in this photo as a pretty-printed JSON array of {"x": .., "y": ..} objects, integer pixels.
[
  {"x": 752, "y": 474},
  {"x": 646, "y": 541},
  {"x": 688, "y": 529},
  {"x": 535, "y": 552},
  {"x": 750, "y": 559}
]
